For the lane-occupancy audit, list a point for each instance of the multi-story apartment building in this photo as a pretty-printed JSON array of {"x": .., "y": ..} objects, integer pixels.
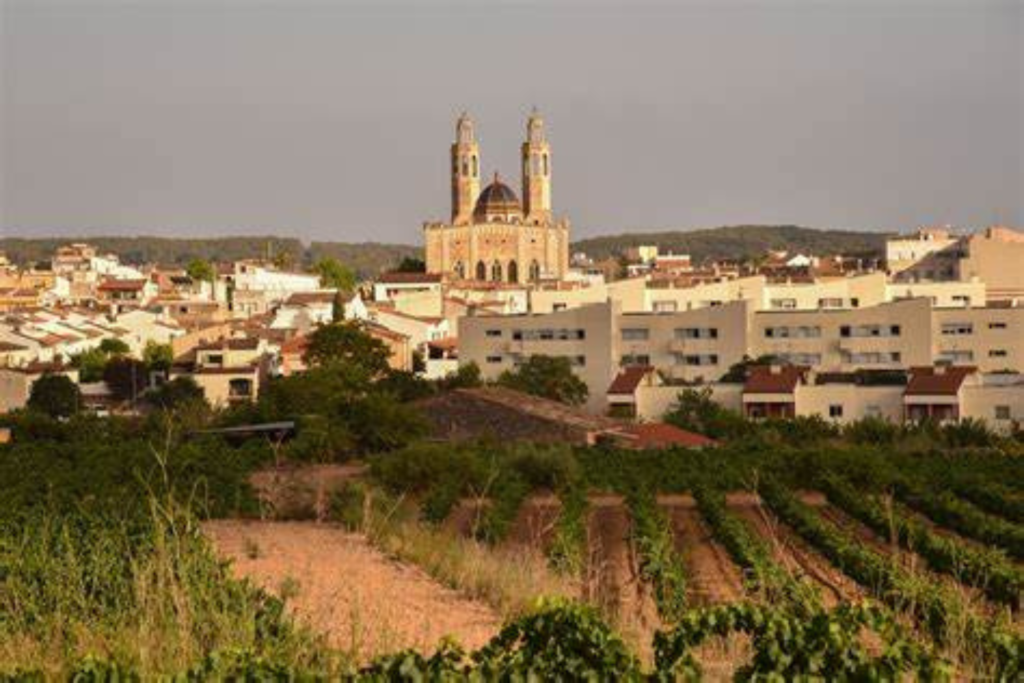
[{"x": 700, "y": 345}]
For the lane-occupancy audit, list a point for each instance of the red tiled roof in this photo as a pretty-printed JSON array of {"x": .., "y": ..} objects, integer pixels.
[
  {"x": 447, "y": 344},
  {"x": 306, "y": 298},
  {"x": 296, "y": 344},
  {"x": 629, "y": 379},
  {"x": 942, "y": 381},
  {"x": 662, "y": 435},
  {"x": 122, "y": 285},
  {"x": 409, "y": 278},
  {"x": 238, "y": 344},
  {"x": 763, "y": 379}
]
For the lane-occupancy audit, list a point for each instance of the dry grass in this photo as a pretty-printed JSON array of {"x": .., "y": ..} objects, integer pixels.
[{"x": 510, "y": 579}]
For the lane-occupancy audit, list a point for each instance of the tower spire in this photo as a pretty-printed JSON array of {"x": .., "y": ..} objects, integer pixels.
[
  {"x": 465, "y": 156},
  {"x": 536, "y": 158}
]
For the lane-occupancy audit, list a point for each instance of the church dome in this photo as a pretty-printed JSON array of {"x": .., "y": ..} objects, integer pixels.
[{"x": 497, "y": 203}]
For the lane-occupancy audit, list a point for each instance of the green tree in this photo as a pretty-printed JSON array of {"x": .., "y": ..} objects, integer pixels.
[
  {"x": 201, "y": 269},
  {"x": 126, "y": 377},
  {"x": 114, "y": 347},
  {"x": 55, "y": 395},
  {"x": 158, "y": 356},
  {"x": 90, "y": 364},
  {"x": 696, "y": 411},
  {"x": 410, "y": 264},
  {"x": 347, "y": 342},
  {"x": 335, "y": 275},
  {"x": 176, "y": 394},
  {"x": 547, "y": 376}
]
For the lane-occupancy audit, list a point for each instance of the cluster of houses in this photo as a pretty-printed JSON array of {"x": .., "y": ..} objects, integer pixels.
[{"x": 936, "y": 330}]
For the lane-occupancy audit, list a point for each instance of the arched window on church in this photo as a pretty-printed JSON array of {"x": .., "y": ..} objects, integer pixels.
[
  {"x": 481, "y": 271},
  {"x": 546, "y": 170},
  {"x": 460, "y": 270},
  {"x": 496, "y": 271},
  {"x": 513, "y": 271},
  {"x": 534, "y": 271},
  {"x": 465, "y": 166},
  {"x": 476, "y": 168}
]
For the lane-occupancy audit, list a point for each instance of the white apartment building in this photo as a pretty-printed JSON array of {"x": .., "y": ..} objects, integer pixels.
[{"x": 700, "y": 345}]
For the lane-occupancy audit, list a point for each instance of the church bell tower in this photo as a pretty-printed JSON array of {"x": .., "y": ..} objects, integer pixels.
[
  {"x": 536, "y": 172},
  {"x": 465, "y": 171}
]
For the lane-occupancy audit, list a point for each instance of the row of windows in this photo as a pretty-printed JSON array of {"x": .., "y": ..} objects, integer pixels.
[
  {"x": 643, "y": 334},
  {"x": 695, "y": 359},
  {"x": 497, "y": 271},
  {"x": 547, "y": 334},
  {"x": 869, "y": 331},
  {"x": 871, "y": 357},
  {"x": 801, "y": 358},
  {"x": 956, "y": 329},
  {"x": 800, "y": 332}
]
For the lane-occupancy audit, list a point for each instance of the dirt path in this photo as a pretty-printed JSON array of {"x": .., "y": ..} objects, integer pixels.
[
  {"x": 712, "y": 578},
  {"x": 337, "y": 583}
]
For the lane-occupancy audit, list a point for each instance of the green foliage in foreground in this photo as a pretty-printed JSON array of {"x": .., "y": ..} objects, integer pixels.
[{"x": 549, "y": 377}]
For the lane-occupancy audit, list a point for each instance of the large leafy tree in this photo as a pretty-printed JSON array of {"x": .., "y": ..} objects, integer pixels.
[
  {"x": 201, "y": 269},
  {"x": 90, "y": 364},
  {"x": 334, "y": 274},
  {"x": 114, "y": 347},
  {"x": 696, "y": 411},
  {"x": 158, "y": 356},
  {"x": 126, "y": 377},
  {"x": 349, "y": 343},
  {"x": 547, "y": 376},
  {"x": 55, "y": 395}
]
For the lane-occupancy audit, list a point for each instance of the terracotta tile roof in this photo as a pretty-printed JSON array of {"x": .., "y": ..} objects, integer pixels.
[
  {"x": 409, "y": 278},
  {"x": 306, "y": 298},
  {"x": 941, "y": 381},
  {"x": 122, "y": 285},
  {"x": 662, "y": 435},
  {"x": 629, "y": 379},
  {"x": 446, "y": 344},
  {"x": 763, "y": 379},
  {"x": 242, "y": 344},
  {"x": 296, "y": 344},
  {"x": 378, "y": 330}
]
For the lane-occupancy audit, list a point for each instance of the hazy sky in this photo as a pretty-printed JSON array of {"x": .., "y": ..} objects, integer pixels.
[{"x": 332, "y": 120}]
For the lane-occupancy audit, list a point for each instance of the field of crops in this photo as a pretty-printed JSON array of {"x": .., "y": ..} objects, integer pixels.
[
  {"x": 746, "y": 561},
  {"x": 851, "y": 561}
]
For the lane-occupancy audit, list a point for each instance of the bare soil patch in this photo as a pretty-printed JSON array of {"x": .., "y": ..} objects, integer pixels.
[
  {"x": 712, "y": 577},
  {"x": 337, "y": 583}
]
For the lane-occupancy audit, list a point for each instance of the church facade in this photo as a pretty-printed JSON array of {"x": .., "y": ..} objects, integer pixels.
[{"x": 492, "y": 236}]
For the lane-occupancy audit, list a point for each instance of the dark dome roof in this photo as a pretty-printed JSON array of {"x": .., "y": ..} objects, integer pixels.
[{"x": 497, "y": 199}]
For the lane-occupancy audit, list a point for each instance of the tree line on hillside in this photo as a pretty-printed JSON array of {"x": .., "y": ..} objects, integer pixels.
[
  {"x": 366, "y": 259},
  {"x": 740, "y": 242},
  {"x": 370, "y": 258}
]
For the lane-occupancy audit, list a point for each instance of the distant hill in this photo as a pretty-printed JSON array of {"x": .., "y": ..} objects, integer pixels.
[
  {"x": 370, "y": 258},
  {"x": 366, "y": 259},
  {"x": 740, "y": 241}
]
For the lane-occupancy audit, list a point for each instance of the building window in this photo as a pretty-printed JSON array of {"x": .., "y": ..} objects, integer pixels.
[
  {"x": 534, "y": 270},
  {"x": 513, "y": 271},
  {"x": 559, "y": 306},
  {"x": 844, "y": 331},
  {"x": 481, "y": 271},
  {"x": 997, "y": 326},
  {"x": 830, "y": 303},
  {"x": 782, "y": 303},
  {"x": 493, "y": 333},
  {"x": 635, "y": 334},
  {"x": 635, "y": 359},
  {"x": 1002, "y": 412},
  {"x": 665, "y": 306},
  {"x": 493, "y": 359},
  {"x": 240, "y": 388},
  {"x": 835, "y": 410},
  {"x": 955, "y": 356},
  {"x": 696, "y": 333},
  {"x": 957, "y": 328},
  {"x": 460, "y": 270},
  {"x": 496, "y": 272},
  {"x": 962, "y": 299},
  {"x": 997, "y": 353}
]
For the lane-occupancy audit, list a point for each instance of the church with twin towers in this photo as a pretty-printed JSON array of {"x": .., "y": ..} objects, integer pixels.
[{"x": 492, "y": 235}]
